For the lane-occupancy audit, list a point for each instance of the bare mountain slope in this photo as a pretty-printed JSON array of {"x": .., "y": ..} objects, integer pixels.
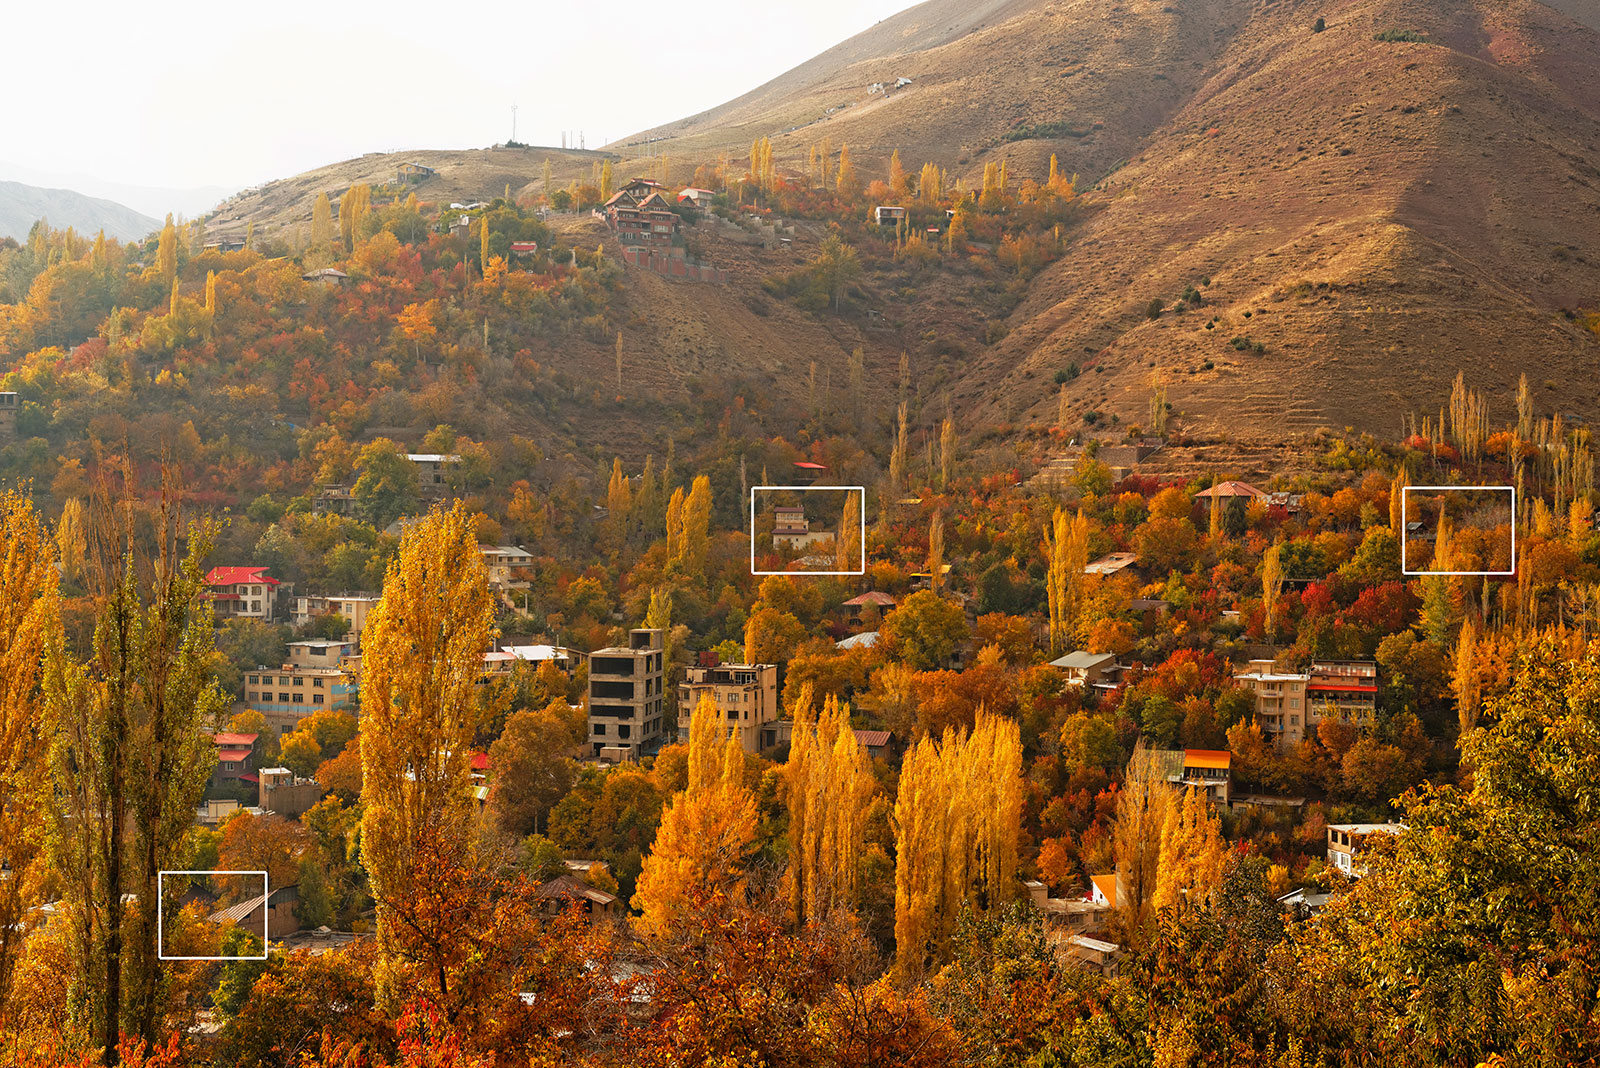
[
  {"x": 23, "y": 205},
  {"x": 1385, "y": 212}
]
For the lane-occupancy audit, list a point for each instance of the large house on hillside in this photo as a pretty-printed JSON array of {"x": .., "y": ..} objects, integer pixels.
[
  {"x": 246, "y": 592},
  {"x": 640, "y": 215}
]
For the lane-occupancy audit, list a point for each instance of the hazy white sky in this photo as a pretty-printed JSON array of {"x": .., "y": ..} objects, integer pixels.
[{"x": 223, "y": 93}]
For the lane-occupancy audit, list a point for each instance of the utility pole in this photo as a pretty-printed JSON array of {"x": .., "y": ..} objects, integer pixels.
[{"x": 513, "y": 124}]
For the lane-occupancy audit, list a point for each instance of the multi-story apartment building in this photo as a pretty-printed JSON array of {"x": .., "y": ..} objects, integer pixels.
[
  {"x": 1345, "y": 689},
  {"x": 746, "y": 695},
  {"x": 1280, "y": 702},
  {"x": 1289, "y": 705},
  {"x": 625, "y": 697},
  {"x": 319, "y": 675}
]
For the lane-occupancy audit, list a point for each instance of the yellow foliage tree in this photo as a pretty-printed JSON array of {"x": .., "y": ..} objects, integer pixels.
[
  {"x": 1192, "y": 853},
  {"x": 930, "y": 185},
  {"x": 899, "y": 180},
  {"x": 167, "y": 252},
  {"x": 846, "y": 184},
  {"x": 422, "y": 658},
  {"x": 827, "y": 785},
  {"x": 321, "y": 223},
  {"x": 29, "y": 616},
  {"x": 1143, "y": 805},
  {"x": 707, "y": 830},
  {"x": 957, "y": 822},
  {"x": 848, "y": 541}
]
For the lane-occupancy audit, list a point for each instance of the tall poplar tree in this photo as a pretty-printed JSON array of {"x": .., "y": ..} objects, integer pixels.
[
  {"x": 957, "y": 821},
  {"x": 321, "y": 224},
  {"x": 30, "y": 620},
  {"x": 167, "y": 252},
  {"x": 422, "y": 657},
  {"x": 707, "y": 831},
  {"x": 827, "y": 786},
  {"x": 130, "y": 762}
]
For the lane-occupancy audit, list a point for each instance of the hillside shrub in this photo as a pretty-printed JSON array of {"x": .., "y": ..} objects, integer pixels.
[
  {"x": 1412, "y": 36},
  {"x": 1154, "y": 308},
  {"x": 1319, "y": 25}
]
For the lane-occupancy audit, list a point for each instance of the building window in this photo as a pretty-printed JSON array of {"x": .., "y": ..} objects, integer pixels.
[
  {"x": 283, "y": 698},
  {"x": 316, "y": 683},
  {"x": 316, "y": 699},
  {"x": 599, "y": 730},
  {"x": 299, "y": 698}
]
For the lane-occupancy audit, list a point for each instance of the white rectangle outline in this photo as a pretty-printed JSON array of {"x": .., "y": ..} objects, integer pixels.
[
  {"x": 862, "y": 490},
  {"x": 266, "y": 893},
  {"x": 1440, "y": 489}
]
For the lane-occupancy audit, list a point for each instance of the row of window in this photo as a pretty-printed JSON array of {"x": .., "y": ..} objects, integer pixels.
[
  {"x": 265, "y": 698},
  {"x": 285, "y": 680}
]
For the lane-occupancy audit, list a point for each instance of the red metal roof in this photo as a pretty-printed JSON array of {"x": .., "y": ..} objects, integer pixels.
[
  {"x": 872, "y": 739},
  {"x": 875, "y": 597},
  {"x": 809, "y": 466},
  {"x": 234, "y": 754},
  {"x": 224, "y": 738},
  {"x": 234, "y": 576},
  {"x": 1353, "y": 687}
]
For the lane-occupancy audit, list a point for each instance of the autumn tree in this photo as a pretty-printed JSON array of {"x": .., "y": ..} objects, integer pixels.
[
  {"x": 1143, "y": 805},
  {"x": 846, "y": 184},
  {"x": 321, "y": 224},
  {"x": 957, "y": 822},
  {"x": 837, "y": 265},
  {"x": 899, "y": 181},
  {"x": 847, "y": 543},
  {"x": 167, "y": 253},
  {"x": 386, "y": 484},
  {"x": 827, "y": 785},
  {"x": 30, "y": 620},
  {"x": 130, "y": 762},
  {"x": 936, "y": 552},
  {"x": 1066, "y": 551},
  {"x": 1191, "y": 855},
  {"x": 925, "y": 630},
  {"x": 530, "y": 769},
  {"x": 707, "y": 830},
  {"x": 422, "y": 656},
  {"x": 1272, "y": 577}
]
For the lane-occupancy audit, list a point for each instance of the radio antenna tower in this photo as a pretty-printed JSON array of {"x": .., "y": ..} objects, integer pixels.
[{"x": 513, "y": 124}]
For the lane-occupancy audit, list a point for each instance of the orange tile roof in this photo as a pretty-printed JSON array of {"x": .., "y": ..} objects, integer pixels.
[
  {"x": 1207, "y": 758},
  {"x": 1107, "y": 885}
]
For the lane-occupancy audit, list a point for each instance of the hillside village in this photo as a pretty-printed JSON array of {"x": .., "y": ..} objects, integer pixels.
[{"x": 787, "y": 601}]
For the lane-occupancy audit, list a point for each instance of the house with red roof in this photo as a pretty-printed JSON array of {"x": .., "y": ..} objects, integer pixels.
[
  {"x": 236, "y": 759},
  {"x": 874, "y": 601},
  {"x": 242, "y": 592}
]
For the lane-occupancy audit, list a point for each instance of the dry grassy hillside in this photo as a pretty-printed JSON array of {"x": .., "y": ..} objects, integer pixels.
[
  {"x": 460, "y": 175},
  {"x": 1375, "y": 214},
  {"x": 1387, "y": 213}
]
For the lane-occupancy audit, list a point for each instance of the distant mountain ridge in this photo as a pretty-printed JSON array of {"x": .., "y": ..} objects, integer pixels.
[{"x": 23, "y": 205}]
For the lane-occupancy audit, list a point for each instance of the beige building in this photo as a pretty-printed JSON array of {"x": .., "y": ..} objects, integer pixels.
[
  {"x": 1280, "y": 702},
  {"x": 320, "y": 675},
  {"x": 745, "y": 694},
  {"x": 625, "y": 698}
]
